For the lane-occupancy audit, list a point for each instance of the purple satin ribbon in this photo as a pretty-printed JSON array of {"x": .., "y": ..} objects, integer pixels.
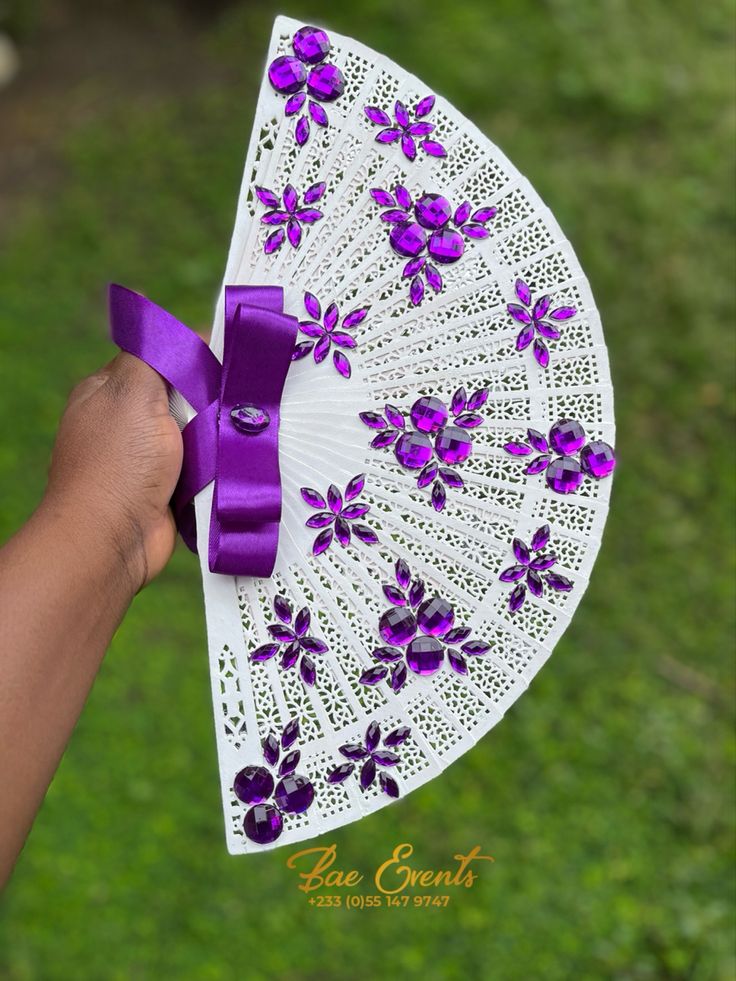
[{"x": 243, "y": 462}]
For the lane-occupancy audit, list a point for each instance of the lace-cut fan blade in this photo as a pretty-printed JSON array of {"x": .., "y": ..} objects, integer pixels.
[{"x": 445, "y": 445}]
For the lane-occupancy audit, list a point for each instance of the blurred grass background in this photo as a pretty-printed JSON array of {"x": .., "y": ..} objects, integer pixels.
[{"x": 606, "y": 796}]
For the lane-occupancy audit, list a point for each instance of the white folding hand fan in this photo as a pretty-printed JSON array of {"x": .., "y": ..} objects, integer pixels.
[{"x": 444, "y": 430}]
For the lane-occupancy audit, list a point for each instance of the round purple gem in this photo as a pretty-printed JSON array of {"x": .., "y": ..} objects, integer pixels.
[
  {"x": 253, "y": 785},
  {"x": 429, "y": 414},
  {"x": 263, "y": 823},
  {"x": 294, "y": 793},
  {"x": 413, "y": 451},
  {"x": 598, "y": 459},
  {"x": 249, "y": 419},
  {"x": 432, "y": 210},
  {"x": 397, "y": 625},
  {"x": 446, "y": 245},
  {"x": 453, "y": 445},
  {"x": 287, "y": 74},
  {"x": 564, "y": 475},
  {"x": 407, "y": 238},
  {"x": 435, "y": 616},
  {"x": 325, "y": 83},
  {"x": 311, "y": 45},
  {"x": 424, "y": 655},
  {"x": 567, "y": 436}
]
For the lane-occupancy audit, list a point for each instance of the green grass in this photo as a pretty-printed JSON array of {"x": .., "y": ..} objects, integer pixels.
[{"x": 605, "y": 796}]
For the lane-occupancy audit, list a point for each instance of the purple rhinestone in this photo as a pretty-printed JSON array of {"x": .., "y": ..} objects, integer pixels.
[
  {"x": 311, "y": 45},
  {"x": 249, "y": 419},
  {"x": 564, "y": 475},
  {"x": 253, "y": 785},
  {"x": 287, "y": 74},
  {"x": 263, "y": 824},
  {"x": 424, "y": 655},
  {"x": 432, "y": 210},
  {"x": 429, "y": 414},
  {"x": 325, "y": 83},
  {"x": 453, "y": 445},
  {"x": 294, "y": 794},
  {"x": 435, "y": 616},
  {"x": 407, "y": 238},
  {"x": 413, "y": 451},
  {"x": 567, "y": 436},
  {"x": 446, "y": 245},
  {"x": 397, "y": 625},
  {"x": 598, "y": 459}
]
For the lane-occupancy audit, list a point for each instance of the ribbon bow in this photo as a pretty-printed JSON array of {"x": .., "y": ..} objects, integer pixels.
[{"x": 233, "y": 439}]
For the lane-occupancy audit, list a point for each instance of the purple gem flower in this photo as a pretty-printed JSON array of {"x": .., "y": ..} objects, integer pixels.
[
  {"x": 290, "y": 75},
  {"x": 531, "y": 570},
  {"x": 271, "y": 800},
  {"x": 288, "y": 216},
  {"x": 565, "y": 456},
  {"x": 291, "y": 639},
  {"x": 373, "y": 758},
  {"x": 428, "y": 224},
  {"x": 427, "y": 442},
  {"x": 323, "y": 330},
  {"x": 418, "y": 631},
  {"x": 409, "y": 127},
  {"x": 336, "y": 515},
  {"x": 536, "y": 318}
]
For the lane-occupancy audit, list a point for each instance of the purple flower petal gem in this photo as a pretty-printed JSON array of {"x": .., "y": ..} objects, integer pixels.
[
  {"x": 516, "y": 598},
  {"x": 424, "y": 106},
  {"x": 439, "y": 496},
  {"x": 598, "y": 459},
  {"x": 367, "y": 774},
  {"x": 263, "y": 823},
  {"x": 558, "y": 582},
  {"x": 377, "y": 116},
  {"x": 424, "y": 655},
  {"x": 520, "y": 551},
  {"x": 372, "y": 676},
  {"x": 314, "y": 192},
  {"x": 457, "y": 662},
  {"x": 513, "y": 573},
  {"x": 433, "y": 148},
  {"x": 399, "y": 675},
  {"x": 290, "y": 733},
  {"x": 567, "y": 436},
  {"x": 453, "y": 445},
  {"x": 388, "y": 784},
  {"x": 416, "y": 291},
  {"x": 287, "y": 74},
  {"x": 384, "y": 757},
  {"x": 274, "y": 241},
  {"x": 537, "y": 465},
  {"x": 311, "y": 45},
  {"x": 372, "y": 736},
  {"x": 325, "y": 83},
  {"x": 394, "y": 595},
  {"x": 403, "y": 573},
  {"x": 342, "y": 364},
  {"x": 293, "y": 105},
  {"x": 282, "y": 609},
  {"x": 564, "y": 475},
  {"x": 294, "y": 794},
  {"x": 398, "y": 736},
  {"x": 427, "y": 475},
  {"x": 538, "y": 440},
  {"x": 340, "y": 773},
  {"x": 354, "y": 751},
  {"x": 382, "y": 198},
  {"x": 414, "y": 450},
  {"x": 322, "y": 542},
  {"x": 355, "y": 486},
  {"x": 540, "y": 538},
  {"x": 290, "y": 762},
  {"x": 301, "y": 134},
  {"x": 270, "y": 745},
  {"x": 253, "y": 785}
]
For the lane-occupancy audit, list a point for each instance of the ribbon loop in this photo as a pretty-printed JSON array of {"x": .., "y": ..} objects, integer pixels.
[{"x": 233, "y": 439}]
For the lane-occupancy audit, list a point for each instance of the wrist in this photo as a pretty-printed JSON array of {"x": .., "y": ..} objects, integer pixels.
[{"x": 109, "y": 547}]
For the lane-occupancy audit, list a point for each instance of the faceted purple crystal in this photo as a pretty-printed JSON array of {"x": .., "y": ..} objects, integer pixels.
[
  {"x": 407, "y": 238},
  {"x": 397, "y": 625},
  {"x": 435, "y": 616},
  {"x": 453, "y": 445},
  {"x": 253, "y": 785},
  {"x": 446, "y": 245},
  {"x": 424, "y": 655},
  {"x": 429, "y": 414},
  {"x": 564, "y": 475},
  {"x": 263, "y": 823},
  {"x": 598, "y": 459},
  {"x": 413, "y": 451},
  {"x": 432, "y": 210},
  {"x": 294, "y": 794},
  {"x": 287, "y": 74},
  {"x": 311, "y": 45},
  {"x": 249, "y": 419},
  {"x": 567, "y": 436},
  {"x": 325, "y": 83}
]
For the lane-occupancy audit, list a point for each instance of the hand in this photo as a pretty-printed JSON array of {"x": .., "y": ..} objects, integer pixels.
[{"x": 116, "y": 462}]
